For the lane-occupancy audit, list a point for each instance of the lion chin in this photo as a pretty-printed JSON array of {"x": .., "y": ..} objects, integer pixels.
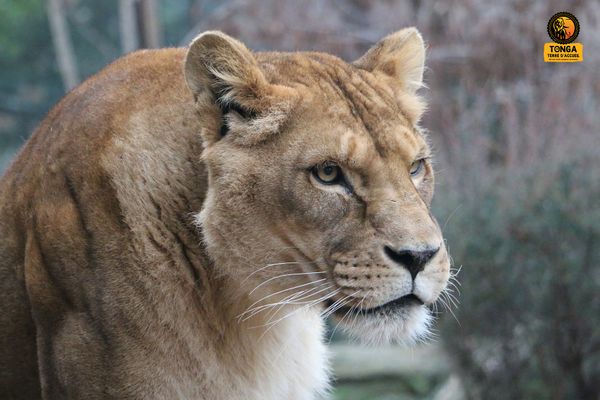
[{"x": 404, "y": 325}]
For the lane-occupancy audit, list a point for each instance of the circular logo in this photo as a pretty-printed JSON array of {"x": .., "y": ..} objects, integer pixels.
[{"x": 563, "y": 27}]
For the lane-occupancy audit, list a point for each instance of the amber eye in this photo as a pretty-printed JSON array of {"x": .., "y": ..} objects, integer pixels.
[
  {"x": 328, "y": 174},
  {"x": 416, "y": 167}
]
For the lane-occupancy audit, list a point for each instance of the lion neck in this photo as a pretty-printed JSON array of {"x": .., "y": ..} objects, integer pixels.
[{"x": 280, "y": 352}]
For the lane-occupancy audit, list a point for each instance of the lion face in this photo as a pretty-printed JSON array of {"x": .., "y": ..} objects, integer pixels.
[{"x": 320, "y": 183}]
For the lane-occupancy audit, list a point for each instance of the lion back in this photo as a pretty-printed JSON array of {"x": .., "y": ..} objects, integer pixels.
[{"x": 64, "y": 235}]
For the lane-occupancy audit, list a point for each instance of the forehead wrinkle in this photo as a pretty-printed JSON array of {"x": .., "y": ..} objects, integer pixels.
[
  {"x": 310, "y": 69},
  {"x": 402, "y": 142},
  {"x": 368, "y": 110},
  {"x": 371, "y": 108},
  {"x": 355, "y": 149},
  {"x": 369, "y": 102}
]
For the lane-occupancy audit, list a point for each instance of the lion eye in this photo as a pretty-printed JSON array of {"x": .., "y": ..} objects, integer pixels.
[
  {"x": 328, "y": 174},
  {"x": 416, "y": 167}
]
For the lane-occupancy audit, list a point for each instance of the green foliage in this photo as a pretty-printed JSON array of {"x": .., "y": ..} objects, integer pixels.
[
  {"x": 29, "y": 82},
  {"x": 529, "y": 299},
  {"x": 17, "y": 18}
]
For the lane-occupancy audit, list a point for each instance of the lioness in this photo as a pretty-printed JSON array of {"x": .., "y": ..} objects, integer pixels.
[{"x": 180, "y": 224}]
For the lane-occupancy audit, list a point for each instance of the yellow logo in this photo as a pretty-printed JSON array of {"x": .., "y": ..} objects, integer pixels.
[{"x": 563, "y": 29}]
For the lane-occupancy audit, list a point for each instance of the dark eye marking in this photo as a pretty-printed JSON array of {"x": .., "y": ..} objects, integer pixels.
[
  {"x": 330, "y": 174},
  {"x": 418, "y": 167}
]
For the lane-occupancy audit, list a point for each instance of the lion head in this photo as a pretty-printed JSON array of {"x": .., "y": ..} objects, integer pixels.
[{"x": 320, "y": 182}]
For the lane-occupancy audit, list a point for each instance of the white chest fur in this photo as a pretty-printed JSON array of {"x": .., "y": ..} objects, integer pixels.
[{"x": 291, "y": 361}]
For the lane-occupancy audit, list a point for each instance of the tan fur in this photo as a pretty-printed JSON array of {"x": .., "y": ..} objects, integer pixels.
[{"x": 144, "y": 256}]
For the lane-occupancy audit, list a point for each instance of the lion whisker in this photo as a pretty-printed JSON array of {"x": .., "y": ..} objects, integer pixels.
[
  {"x": 301, "y": 300},
  {"x": 274, "y": 265},
  {"x": 282, "y": 291},
  {"x": 349, "y": 299},
  {"x": 294, "y": 299},
  {"x": 285, "y": 276},
  {"x": 317, "y": 301}
]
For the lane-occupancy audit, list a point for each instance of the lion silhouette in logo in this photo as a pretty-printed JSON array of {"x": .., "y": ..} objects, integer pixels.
[{"x": 559, "y": 29}]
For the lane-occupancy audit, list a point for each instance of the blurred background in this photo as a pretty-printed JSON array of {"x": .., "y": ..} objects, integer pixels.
[{"x": 518, "y": 168}]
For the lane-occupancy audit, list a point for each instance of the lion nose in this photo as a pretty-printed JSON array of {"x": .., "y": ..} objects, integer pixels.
[{"x": 413, "y": 261}]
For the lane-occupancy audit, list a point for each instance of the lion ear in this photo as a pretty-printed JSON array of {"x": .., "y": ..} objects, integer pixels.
[
  {"x": 220, "y": 70},
  {"x": 400, "y": 56},
  {"x": 226, "y": 68}
]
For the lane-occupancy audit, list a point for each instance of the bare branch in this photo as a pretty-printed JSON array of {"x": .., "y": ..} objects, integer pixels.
[
  {"x": 128, "y": 26},
  {"x": 62, "y": 44},
  {"x": 150, "y": 25}
]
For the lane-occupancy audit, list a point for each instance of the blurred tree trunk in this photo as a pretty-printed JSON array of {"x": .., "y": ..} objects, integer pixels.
[
  {"x": 149, "y": 24},
  {"x": 139, "y": 24},
  {"x": 128, "y": 26},
  {"x": 62, "y": 44}
]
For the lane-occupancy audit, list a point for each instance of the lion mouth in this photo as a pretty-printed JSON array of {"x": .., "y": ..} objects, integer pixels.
[{"x": 389, "y": 307}]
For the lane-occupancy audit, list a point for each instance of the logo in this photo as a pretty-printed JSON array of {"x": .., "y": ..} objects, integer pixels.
[{"x": 563, "y": 29}]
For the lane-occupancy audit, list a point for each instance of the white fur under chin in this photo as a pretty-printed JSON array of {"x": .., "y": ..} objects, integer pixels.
[
  {"x": 294, "y": 362},
  {"x": 406, "y": 327}
]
